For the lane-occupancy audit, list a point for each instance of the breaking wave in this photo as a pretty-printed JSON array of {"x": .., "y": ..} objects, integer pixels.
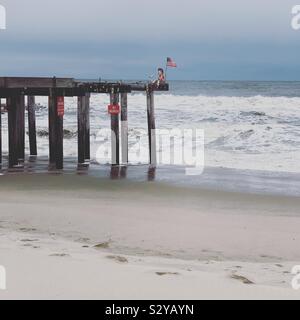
[{"x": 256, "y": 132}]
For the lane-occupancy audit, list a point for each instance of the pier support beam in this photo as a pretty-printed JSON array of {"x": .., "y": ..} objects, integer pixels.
[
  {"x": 151, "y": 126},
  {"x": 87, "y": 128},
  {"x": 0, "y": 135},
  {"x": 115, "y": 131},
  {"x": 56, "y": 133},
  {"x": 32, "y": 125},
  {"x": 84, "y": 129},
  {"x": 124, "y": 127},
  {"x": 16, "y": 129}
]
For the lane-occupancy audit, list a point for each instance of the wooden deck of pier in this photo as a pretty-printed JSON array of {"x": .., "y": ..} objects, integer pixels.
[{"x": 14, "y": 90}]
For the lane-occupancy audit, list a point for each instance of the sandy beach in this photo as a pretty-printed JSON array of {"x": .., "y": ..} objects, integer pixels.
[{"x": 81, "y": 237}]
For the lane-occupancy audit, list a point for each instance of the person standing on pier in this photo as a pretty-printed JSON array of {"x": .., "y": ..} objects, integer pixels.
[{"x": 161, "y": 77}]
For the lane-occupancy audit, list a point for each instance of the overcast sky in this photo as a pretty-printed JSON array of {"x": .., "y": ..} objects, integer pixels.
[{"x": 128, "y": 39}]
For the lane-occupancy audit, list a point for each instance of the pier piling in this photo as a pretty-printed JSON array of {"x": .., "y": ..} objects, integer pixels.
[
  {"x": 87, "y": 128},
  {"x": 16, "y": 129},
  {"x": 0, "y": 134},
  {"x": 81, "y": 131},
  {"x": 124, "y": 127},
  {"x": 151, "y": 125},
  {"x": 115, "y": 131},
  {"x": 32, "y": 125},
  {"x": 83, "y": 115},
  {"x": 52, "y": 128},
  {"x": 59, "y": 138},
  {"x": 56, "y": 133}
]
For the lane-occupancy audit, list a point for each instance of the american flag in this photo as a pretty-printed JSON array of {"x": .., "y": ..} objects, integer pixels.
[{"x": 171, "y": 63}]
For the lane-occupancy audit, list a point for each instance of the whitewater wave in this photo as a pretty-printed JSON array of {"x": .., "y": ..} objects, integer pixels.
[{"x": 257, "y": 132}]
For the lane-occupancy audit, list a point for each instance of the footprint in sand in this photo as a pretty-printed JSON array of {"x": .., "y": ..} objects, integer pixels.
[
  {"x": 241, "y": 279},
  {"x": 103, "y": 245},
  {"x": 118, "y": 259},
  {"x": 29, "y": 240},
  {"x": 161, "y": 274},
  {"x": 60, "y": 255},
  {"x": 27, "y": 229},
  {"x": 264, "y": 256}
]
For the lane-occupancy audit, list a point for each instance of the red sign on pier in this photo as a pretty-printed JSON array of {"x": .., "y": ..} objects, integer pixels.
[
  {"x": 114, "y": 109},
  {"x": 60, "y": 106}
]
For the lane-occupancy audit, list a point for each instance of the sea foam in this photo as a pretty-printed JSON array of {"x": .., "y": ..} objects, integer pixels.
[{"x": 256, "y": 132}]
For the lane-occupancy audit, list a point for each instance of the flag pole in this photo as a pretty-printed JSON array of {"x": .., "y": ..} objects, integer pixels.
[{"x": 166, "y": 71}]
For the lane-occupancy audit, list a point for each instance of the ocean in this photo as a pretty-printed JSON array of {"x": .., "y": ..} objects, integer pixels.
[{"x": 247, "y": 125}]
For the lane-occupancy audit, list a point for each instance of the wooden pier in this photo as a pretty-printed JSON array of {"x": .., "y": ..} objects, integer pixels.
[{"x": 15, "y": 89}]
